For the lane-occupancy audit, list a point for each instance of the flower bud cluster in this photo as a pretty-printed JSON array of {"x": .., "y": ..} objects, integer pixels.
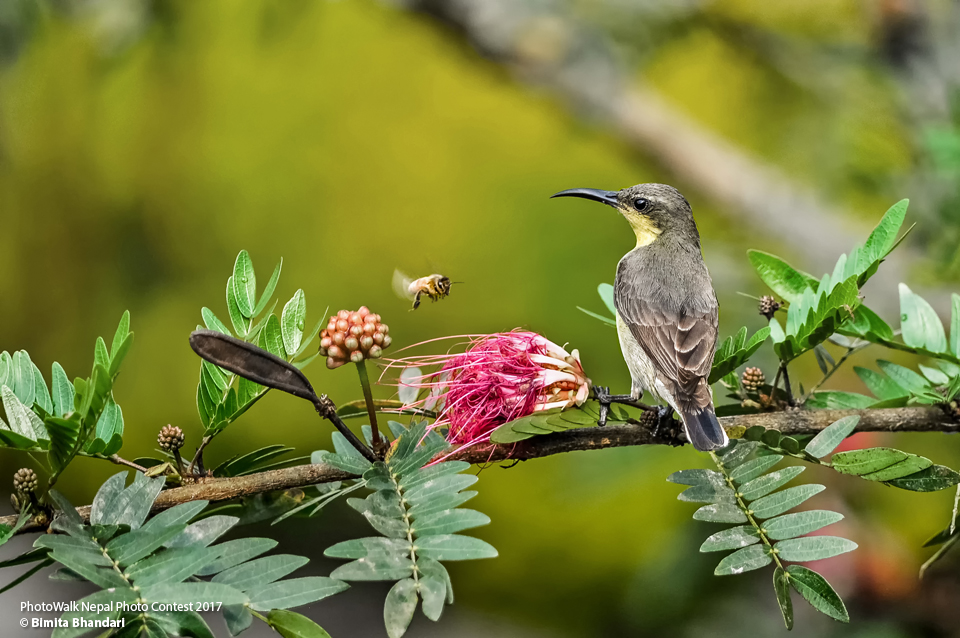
[{"x": 353, "y": 337}]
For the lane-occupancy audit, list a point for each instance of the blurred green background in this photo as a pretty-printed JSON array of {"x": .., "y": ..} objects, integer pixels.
[{"x": 143, "y": 144}]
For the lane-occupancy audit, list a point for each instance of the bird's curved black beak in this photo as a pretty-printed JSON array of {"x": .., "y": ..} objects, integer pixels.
[{"x": 604, "y": 197}]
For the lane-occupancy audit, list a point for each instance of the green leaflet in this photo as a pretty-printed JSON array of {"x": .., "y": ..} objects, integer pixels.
[
  {"x": 415, "y": 509},
  {"x": 920, "y": 326},
  {"x": 781, "y": 585},
  {"x": 808, "y": 548},
  {"x": 290, "y": 624},
  {"x": 744, "y": 560},
  {"x": 817, "y": 591},
  {"x": 799, "y": 523},
  {"x": 735, "y": 351},
  {"x": 833, "y": 435}
]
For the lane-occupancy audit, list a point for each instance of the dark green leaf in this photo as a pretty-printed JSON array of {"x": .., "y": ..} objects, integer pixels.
[
  {"x": 867, "y": 461},
  {"x": 445, "y": 484},
  {"x": 92, "y": 608},
  {"x": 172, "y": 565},
  {"x": 399, "y": 607},
  {"x": 781, "y": 585},
  {"x": 744, "y": 560},
  {"x": 440, "y": 503},
  {"x": 818, "y": 592},
  {"x": 799, "y": 523},
  {"x": 261, "y": 571},
  {"x": 138, "y": 544},
  {"x": 752, "y": 469},
  {"x": 732, "y": 538},
  {"x": 931, "y": 479},
  {"x": 82, "y": 563},
  {"x": 780, "y": 502},
  {"x": 707, "y": 494},
  {"x": 808, "y": 548},
  {"x": 294, "y": 592},
  {"x": 290, "y": 624},
  {"x": 175, "y": 516},
  {"x": 736, "y": 453},
  {"x": 907, "y": 467},
  {"x": 361, "y": 547},
  {"x": 100, "y": 512},
  {"x": 236, "y": 552}
]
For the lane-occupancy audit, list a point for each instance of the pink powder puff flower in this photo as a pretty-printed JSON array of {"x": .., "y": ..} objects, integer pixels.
[{"x": 500, "y": 377}]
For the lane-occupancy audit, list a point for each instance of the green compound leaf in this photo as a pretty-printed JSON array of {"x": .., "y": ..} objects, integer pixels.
[
  {"x": 780, "y": 502},
  {"x": 744, "y": 560},
  {"x": 290, "y": 624},
  {"x": 799, "y": 523},
  {"x": 454, "y": 547},
  {"x": 833, "y": 435},
  {"x": 268, "y": 291},
  {"x": 781, "y": 585},
  {"x": 818, "y": 592},
  {"x": 808, "y": 548}
]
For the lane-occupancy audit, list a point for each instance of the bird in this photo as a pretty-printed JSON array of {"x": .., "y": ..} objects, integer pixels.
[{"x": 667, "y": 310}]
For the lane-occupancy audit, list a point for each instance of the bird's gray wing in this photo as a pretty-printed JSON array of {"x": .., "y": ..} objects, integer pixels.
[{"x": 679, "y": 338}]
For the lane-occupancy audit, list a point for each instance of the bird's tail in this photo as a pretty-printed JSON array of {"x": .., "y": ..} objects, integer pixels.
[{"x": 703, "y": 430}]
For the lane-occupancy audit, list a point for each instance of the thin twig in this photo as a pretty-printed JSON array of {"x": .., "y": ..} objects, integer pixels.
[
  {"x": 786, "y": 384},
  {"x": 794, "y": 422},
  {"x": 122, "y": 461}
]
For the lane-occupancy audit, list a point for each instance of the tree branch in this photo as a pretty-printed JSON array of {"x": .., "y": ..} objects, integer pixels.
[{"x": 790, "y": 422}]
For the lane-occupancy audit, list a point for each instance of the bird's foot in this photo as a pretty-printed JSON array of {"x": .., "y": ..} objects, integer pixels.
[
  {"x": 605, "y": 399},
  {"x": 666, "y": 428}
]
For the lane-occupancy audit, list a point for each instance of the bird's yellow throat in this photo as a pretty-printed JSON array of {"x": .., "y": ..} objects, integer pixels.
[{"x": 644, "y": 228}]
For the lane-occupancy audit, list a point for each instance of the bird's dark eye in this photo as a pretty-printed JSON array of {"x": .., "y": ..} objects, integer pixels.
[{"x": 641, "y": 204}]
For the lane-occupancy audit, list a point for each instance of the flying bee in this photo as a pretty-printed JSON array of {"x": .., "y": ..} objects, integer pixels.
[{"x": 434, "y": 286}]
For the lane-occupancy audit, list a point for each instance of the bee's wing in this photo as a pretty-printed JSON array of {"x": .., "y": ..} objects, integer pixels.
[{"x": 401, "y": 285}]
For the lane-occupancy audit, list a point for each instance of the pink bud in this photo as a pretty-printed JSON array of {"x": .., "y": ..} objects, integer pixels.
[
  {"x": 343, "y": 314},
  {"x": 378, "y": 338},
  {"x": 356, "y": 331},
  {"x": 323, "y": 351},
  {"x": 366, "y": 341},
  {"x": 356, "y": 356},
  {"x": 355, "y": 318},
  {"x": 351, "y": 343},
  {"x": 335, "y": 351},
  {"x": 333, "y": 363},
  {"x": 338, "y": 338},
  {"x": 387, "y": 341},
  {"x": 326, "y": 341},
  {"x": 342, "y": 325},
  {"x": 369, "y": 328},
  {"x": 385, "y": 328},
  {"x": 375, "y": 352},
  {"x": 363, "y": 311}
]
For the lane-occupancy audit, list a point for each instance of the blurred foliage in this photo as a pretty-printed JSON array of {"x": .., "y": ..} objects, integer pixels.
[{"x": 142, "y": 144}]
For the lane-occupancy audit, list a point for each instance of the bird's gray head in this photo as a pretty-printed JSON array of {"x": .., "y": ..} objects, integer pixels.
[{"x": 651, "y": 209}]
